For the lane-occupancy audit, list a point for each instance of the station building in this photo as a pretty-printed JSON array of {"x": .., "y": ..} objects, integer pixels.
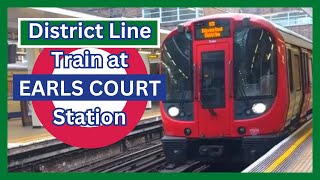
[{"x": 298, "y": 20}]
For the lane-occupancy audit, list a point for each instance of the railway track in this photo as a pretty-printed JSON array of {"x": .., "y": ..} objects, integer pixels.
[
  {"x": 125, "y": 162},
  {"x": 140, "y": 151},
  {"x": 144, "y": 163},
  {"x": 151, "y": 159},
  {"x": 55, "y": 156}
]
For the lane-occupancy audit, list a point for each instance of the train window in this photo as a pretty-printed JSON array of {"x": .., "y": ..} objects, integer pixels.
[
  {"x": 304, "y": 72},
  {"x": 303, "y": 68},
  {"x": 310, "y": 71},
  {"x": 290, "y": 70},
  {"x": 297, "y": 72},
  {"x": 212, "y": 79},
  {"x": 255, "y": 55},
  {"x": 307, "y": 70},
  {"x": 176, "y": 64}
]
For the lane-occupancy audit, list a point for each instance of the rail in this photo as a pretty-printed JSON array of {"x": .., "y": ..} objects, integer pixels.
[{"x": 38, "y": 156}]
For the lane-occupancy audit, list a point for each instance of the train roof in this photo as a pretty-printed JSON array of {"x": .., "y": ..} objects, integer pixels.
[
  {"x": 288, "y": 35},
  {"x": 294, "y": 38}
]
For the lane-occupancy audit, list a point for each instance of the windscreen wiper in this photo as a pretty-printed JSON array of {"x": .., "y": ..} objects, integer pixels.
[
  {"x": 243, "y": 94},
  {"x": 181, "y": 103},
  {"x": 240, "y": 88}
]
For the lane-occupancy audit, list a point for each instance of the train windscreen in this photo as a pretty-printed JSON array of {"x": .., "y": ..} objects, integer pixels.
[
  {"x": 255, "y": 63},
  {"x": 176, "y": 64}
]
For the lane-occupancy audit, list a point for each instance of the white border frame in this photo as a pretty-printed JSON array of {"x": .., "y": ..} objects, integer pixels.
[{"x": 90, "y": 19}]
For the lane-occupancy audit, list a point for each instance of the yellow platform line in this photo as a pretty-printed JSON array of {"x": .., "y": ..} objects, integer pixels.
[{"x": 286, "y": 154}]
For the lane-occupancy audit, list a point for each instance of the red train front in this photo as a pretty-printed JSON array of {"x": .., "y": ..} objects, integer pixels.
[{"x": 228, "y": 93}]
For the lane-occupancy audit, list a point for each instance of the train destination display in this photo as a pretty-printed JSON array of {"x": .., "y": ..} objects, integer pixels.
[{"x": 212, "y": 29}]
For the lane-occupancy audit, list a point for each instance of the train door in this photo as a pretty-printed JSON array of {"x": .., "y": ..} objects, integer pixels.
[
  {"x": 213, "y": 105},
  {"x": 305, "y": 84},
  {"x": 291, "y": 111},
  {"x": 297, "y": 82}
]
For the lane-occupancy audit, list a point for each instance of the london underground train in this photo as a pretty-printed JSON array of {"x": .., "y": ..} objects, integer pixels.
[{"x": 237, "y": 84}]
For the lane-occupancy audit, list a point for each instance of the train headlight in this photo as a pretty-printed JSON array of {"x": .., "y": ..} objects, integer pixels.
[
  {"x": 259, "y": 108},
  {"x": 173, "y": 111}
]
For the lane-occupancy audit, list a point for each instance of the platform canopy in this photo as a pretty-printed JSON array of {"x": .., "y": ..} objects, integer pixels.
[
  {"x": 308, "y": 11},
  {"x": 15, "y": 13}
]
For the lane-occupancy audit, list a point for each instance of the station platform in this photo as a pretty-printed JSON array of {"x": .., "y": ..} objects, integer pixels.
[
  {"x": 19, "y": 135},
  {"x": 293, "y": 154}
]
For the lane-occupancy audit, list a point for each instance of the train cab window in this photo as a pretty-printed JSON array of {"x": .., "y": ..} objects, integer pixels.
[
  {"x": 290, "y": 70},
  {"x": 255, "y": 63},
  {"x": 212, "y": 79},
  {"x": 176, "y": 64}
]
